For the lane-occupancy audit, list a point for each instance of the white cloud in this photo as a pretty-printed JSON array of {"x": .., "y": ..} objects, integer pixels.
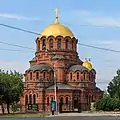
[
  {"x": 110, "y": 42},
  {"x": 94, "y": 18},
  {"x": 103, "y": 21},
  {"x": 17, "y": 17}
]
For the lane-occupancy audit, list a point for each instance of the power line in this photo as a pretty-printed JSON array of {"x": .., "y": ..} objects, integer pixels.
[
  {"x": 31, "y": 32},
  {"x": 16, "y": 45},
  {"x": 4, "y": 25},
  {"x": 100, "y": 48},
  {"x": 15, "y": 50}
]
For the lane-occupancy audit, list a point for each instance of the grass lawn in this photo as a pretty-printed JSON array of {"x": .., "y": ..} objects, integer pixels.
[{"x": 25, "y": 115}]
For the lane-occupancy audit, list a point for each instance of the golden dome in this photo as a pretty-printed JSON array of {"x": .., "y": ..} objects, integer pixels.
[
  {"x": 56, "y": 29},
  {"x": 87, "y": 64}
]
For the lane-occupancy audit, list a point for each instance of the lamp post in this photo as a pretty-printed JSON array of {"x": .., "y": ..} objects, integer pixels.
[
  {"x": 55, "y": 87},
  {"x": 55, "y": 82}
]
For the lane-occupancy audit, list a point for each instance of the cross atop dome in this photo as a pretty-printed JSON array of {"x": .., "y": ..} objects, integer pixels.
[{"x": 56, "y": 20}]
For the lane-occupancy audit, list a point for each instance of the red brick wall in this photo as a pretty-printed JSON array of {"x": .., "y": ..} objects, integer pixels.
[{"x": 61, "y": 69}]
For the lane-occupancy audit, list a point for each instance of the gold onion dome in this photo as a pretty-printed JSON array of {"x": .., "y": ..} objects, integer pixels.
[
  {"x": 87, "y": 64},
  {"x": 57, "y": 29}
]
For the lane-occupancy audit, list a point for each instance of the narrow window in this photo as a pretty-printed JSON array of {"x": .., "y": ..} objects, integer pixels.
[
  {"x": 44, "y": 75},
  {"x": 66, "y": 100},
  {"x": 70, "y": 76},
  {"x": 51, "y": 98},
  {"x": 72, "y": 45},
  {"x": 66, "y": 43},
  {"x": 26, "y": 99},
  {"x": 37, "y": 75},
  {"x": 84, "y": 75},
  {"x": 30, "y": 99},
  {"x": 30, "y": 75},
  {"x": 59, "y": 43},
  {"x": 93, "y": 100},
  {"x": 61, "y": 99},
  {"x": 44, "y": 44},
  {"x": 51, "y": 44},
  {"x": 89, "y": 99},
  {"x": 77, "y": 75},
  {"x": 89, "y": 76},
  {"x": 47, "y": 100},
  {"x": 52, "y": 75},
  {"x": 75, "y": 46},
  {"x": 38, "y": 45},
  {"x": 34, "y": 99}
]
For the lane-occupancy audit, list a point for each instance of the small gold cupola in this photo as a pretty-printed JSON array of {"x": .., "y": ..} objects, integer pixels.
[{"x": 87, "y": 64}]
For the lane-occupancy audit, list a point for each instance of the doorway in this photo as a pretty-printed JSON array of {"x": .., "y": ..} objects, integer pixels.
[{"x": 75, "y": 103}]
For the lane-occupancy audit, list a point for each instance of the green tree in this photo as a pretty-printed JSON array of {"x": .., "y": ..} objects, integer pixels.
[
  {"x": 2, "y": 93},
  {"x": 114, "y": 86},
  {"x": 104, "y": 104},
  {"x": 13, "y": 84},
  {"x": 15, "y": 107}
]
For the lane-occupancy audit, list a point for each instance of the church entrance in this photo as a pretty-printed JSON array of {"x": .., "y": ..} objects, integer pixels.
[
  {"x": 61, "y": 105},
  {"x": 77, "y": 105},
  {"x": 70, "y": 106}
]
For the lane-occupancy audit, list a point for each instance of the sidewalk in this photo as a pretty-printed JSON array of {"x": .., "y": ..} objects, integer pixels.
[{"x": 85, "y": 114}]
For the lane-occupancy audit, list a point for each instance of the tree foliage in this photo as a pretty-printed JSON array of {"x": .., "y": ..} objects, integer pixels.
[
  {"x": 12, "y": 87},
  {"x": 15, "y": 107},
  {"x": 108, "y": 103},
  {"x": 114, "y": 86},
  {"x": 111, "y": 101}
]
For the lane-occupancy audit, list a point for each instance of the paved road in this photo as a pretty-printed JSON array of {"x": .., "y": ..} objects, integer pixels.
[{"x": 67, "y": 118}]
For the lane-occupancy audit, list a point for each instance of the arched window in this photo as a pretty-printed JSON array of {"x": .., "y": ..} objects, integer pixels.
[
  {"x": 47, "y": 100},
  {"x": 89, "y": 76},
  {"x": 89, "y": 98},
  {"x": 26, "y": 99},
  {"x": 44, "y": 44},
  {"x": 66, "y": 43},
  {"x": 38, "y": 44},
  {"x": 59, "y": 43},
  {"x": 30, "y": 99},
  {"x": 34, "y": 99},
  {"x": 72, "y": 45},
  {"x": 44, "y": 75},
  {"x": 84, "y": 75},
  {"x": 37, "y": 75},
  {"x": 51, "y": 98},
  {"x": 93, "y": 76},
  {"x": 61, "y": 100},
  {"x": 70, "y": 76},
  {"x": 51, "y": 75},
  {"x": 92, "y": 98},
  {"x": 75, "y": 46},
  {"x": 77, "y": 75},
  {"x": 66, "y": 101},
  {"x": 51, "y": 44},
  {"x": 30, "y": 75}
]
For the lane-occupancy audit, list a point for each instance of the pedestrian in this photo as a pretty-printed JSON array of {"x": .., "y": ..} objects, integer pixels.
[{"x": 52, "y": 111}]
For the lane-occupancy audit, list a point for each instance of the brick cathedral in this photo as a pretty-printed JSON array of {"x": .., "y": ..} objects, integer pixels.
[{"x": 57, "y": 73}]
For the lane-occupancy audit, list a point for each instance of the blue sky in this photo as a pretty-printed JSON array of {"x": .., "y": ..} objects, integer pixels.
[{"x": 36, "y": 15}]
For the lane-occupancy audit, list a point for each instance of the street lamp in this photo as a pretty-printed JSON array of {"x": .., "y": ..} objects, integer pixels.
[
  {"x": 55, "y": 82},
  {"x": 55, "y": 87}
]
